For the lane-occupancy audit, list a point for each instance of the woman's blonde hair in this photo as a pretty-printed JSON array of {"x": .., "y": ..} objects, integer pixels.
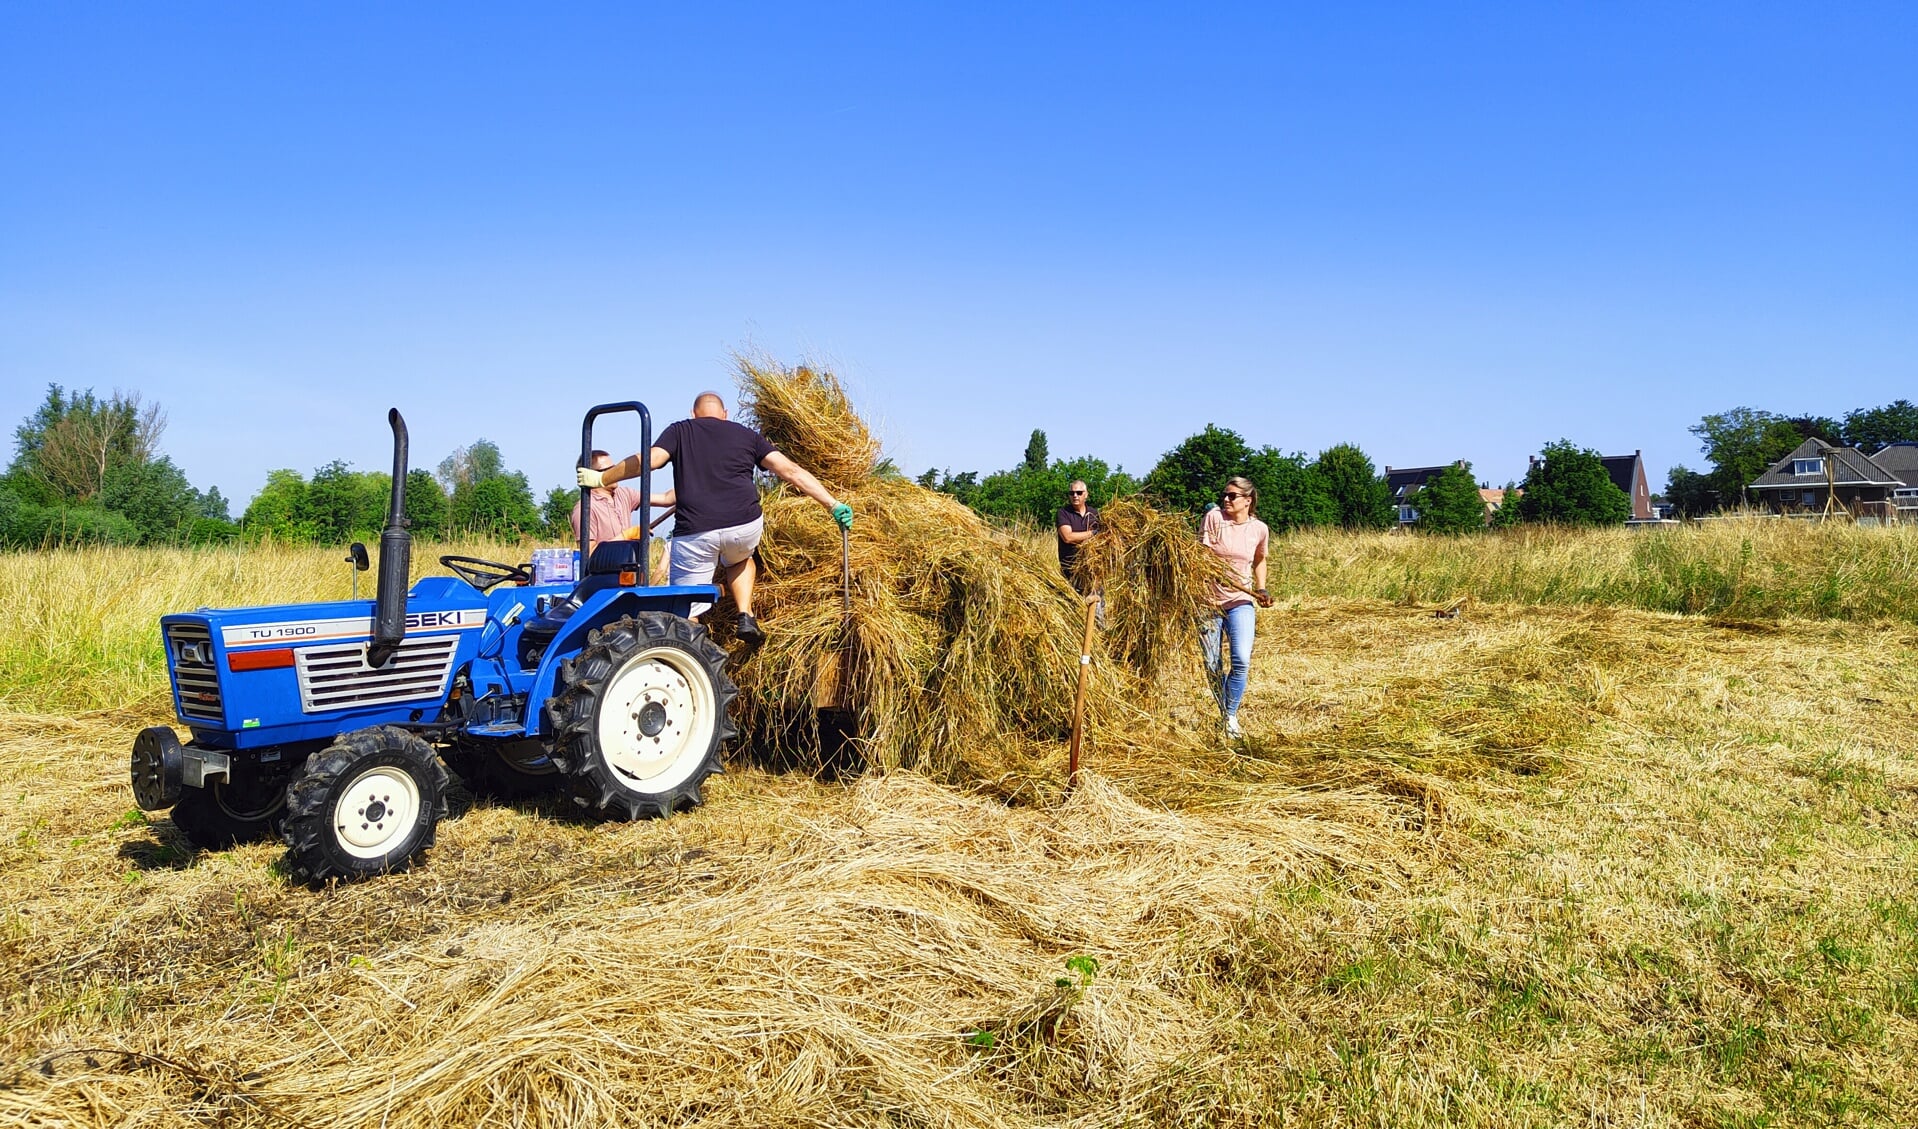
[{"x": 1244, "y": 486}]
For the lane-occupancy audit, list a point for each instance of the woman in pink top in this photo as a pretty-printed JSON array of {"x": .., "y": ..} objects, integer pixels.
[{"x": 1235, "y": 533}]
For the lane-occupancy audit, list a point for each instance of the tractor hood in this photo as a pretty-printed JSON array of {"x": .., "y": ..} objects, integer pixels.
[{"x": 251, "y": 677}]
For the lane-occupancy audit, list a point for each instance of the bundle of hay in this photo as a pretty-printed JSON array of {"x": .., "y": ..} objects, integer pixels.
[
  {"x": 960, "y": 643},
  {"x": 1156, "y": 581}
]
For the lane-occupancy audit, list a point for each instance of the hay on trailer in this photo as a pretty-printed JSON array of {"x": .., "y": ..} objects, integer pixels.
[{"x": 962, "y": 642}]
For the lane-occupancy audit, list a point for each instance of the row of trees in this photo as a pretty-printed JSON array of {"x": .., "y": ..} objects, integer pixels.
[
  {"x": 1741, "y": 443},
  {"x": 472, "y": 493},
  {"x": 89, "y": 470},
  {"x": 1339, "y": 487}
]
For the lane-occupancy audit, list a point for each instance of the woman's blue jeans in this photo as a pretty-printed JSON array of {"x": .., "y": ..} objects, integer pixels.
[{"x": 1235, "y": 627}]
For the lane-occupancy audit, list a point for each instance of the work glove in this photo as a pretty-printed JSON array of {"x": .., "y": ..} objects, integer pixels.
[
  {"x": 590, "y": 477},
  {"x": 842, "y": 513}
]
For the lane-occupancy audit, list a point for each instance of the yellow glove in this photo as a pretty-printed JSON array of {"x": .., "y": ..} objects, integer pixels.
[{"x": 590, "y": 477}]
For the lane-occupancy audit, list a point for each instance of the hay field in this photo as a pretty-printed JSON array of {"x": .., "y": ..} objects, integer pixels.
[
  {"x": 1740, "y": 566},
  {"x": 1547, "y": 863}
]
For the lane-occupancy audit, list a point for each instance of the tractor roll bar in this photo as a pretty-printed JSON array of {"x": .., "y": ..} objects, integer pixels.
[{"x": 645, "y": 457}]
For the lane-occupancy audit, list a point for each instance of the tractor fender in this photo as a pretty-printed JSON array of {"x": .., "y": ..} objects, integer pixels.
[{"x": 601, "y": 608}]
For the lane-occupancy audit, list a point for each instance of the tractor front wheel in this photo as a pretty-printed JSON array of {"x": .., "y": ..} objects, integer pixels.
[
  {"x": 367, "y": 804},
  {"x": 642, "y": 713}
]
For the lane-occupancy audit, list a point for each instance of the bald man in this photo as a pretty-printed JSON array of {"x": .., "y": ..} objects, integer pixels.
[{"x": 719, "y": 522}]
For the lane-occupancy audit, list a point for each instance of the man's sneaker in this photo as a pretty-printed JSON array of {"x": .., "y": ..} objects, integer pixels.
[
  {"x": 747, "y": 630},
  {"x": 1232, "y": 729}
]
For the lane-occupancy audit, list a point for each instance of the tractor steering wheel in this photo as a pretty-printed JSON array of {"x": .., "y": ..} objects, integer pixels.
[{"x": 483, "y": 574}]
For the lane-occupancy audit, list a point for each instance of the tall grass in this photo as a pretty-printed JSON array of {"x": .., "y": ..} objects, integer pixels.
[
  {"x": 1740, "y": 568},
  {"x": 81, "y": 629}
]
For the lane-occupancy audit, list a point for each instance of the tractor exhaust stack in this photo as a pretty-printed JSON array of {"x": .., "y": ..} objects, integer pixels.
[{"x": 396, "y": 559}]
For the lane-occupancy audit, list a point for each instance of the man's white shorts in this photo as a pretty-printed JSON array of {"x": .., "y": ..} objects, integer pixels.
[{"x": 698, "y": 557}]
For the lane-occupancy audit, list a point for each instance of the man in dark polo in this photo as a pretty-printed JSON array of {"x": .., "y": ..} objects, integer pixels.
[{"x": 1077, "y": 522}]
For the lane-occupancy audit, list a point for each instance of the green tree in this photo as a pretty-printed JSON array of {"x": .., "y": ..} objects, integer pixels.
[
  {"x": 1036, "y": 458},
  {"x": 341, "y": 504},
  {"x": 1292, "y": 493},
  {"x": 1691, "y": 494},
  {"x": 963, "y": 486},
  {"x": 468, "y": 465},
  {"x": 213, "y": 506},
  {"x": 425, "y": 505},
  {"x": 1742, "y": 443},
  {"x": 275, "y": 510},
  {"x": 1873, "y": 429},
  {"x": 556, "y": 515},
  {"x": 1190, "y": 475},
  {"x": 67, "y": 446},
  {"x": 1507, "y": 514},
  {"x": 1449, "y": 502},
  {"x": 44, "y": 526},
  {"x": 500, "y": 506},
  {"x": 1360, "y": 497},
  {"x": 1569, "y": 486},
  {"x": 155, "y": 497}
]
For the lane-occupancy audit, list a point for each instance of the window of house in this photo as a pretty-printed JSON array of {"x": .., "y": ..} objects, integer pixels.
[
  {"x": 1808, "y": 466},
  {"x": 1811, "y": 497},
  {"x": 1408, "y": 515}
]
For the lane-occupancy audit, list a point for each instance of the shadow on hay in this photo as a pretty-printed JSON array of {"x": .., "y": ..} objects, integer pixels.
[{"x": 166, "y": 851}]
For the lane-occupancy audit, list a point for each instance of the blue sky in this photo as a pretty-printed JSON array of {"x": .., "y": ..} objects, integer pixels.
[{"x": 1439, "y": 231}]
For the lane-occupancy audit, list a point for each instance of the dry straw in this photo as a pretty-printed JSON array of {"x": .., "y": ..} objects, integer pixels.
[{"x": 961, "y": 643}]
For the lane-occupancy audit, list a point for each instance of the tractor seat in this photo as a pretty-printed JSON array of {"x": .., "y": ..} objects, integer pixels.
[{"x": 610, "y": 558}]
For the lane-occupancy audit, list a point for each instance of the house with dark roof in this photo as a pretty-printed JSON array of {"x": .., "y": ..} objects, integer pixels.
[
  {"x": 1901, "y": 459},
  {"x": 1628, "y": 474},
  {"x": 1406, "y": 482},
  {"x": 1819, "y": 474}
]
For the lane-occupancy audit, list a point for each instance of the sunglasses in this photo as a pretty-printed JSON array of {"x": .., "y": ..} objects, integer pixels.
[
  {"x": 1075, "y": 491},
  {"x": 1232, "y": 497}
]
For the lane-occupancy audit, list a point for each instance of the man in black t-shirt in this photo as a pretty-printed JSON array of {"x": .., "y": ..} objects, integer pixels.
[
  {"x": 1076, "y": 523},
  {"x": 719, "y": 522}
]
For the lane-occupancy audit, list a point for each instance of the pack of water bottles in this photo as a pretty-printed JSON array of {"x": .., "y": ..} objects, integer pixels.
[{"x": 555, "y": 566}]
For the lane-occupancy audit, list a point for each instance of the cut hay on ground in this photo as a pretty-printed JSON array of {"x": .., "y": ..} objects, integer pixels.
[{"x": 898, "y": 958}]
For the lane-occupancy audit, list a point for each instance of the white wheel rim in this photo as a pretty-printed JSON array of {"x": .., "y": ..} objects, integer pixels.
[
  {"x": 376, "y": 811},
  {"x": 666, "y": 691}
]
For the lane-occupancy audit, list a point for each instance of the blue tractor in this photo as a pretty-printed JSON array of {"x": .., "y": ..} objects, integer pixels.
[{"x": 331, "y": 725}]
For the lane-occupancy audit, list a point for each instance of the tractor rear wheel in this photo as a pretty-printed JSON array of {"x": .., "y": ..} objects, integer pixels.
[
  {"x": 367, "y": 804},
  {"x": 225, "y": 813},
  {"x": 641, "y": 715},
  {"x": 505, "y": 770}
]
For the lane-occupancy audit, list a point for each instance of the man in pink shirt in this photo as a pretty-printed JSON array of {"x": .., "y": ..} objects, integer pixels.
[{"x": 613, "y": 506}]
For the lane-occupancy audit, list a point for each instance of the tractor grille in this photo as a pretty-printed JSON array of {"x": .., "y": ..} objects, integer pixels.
[
  {"x": 190, "y": 645},
  {"x": 337, "y": 678}
]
